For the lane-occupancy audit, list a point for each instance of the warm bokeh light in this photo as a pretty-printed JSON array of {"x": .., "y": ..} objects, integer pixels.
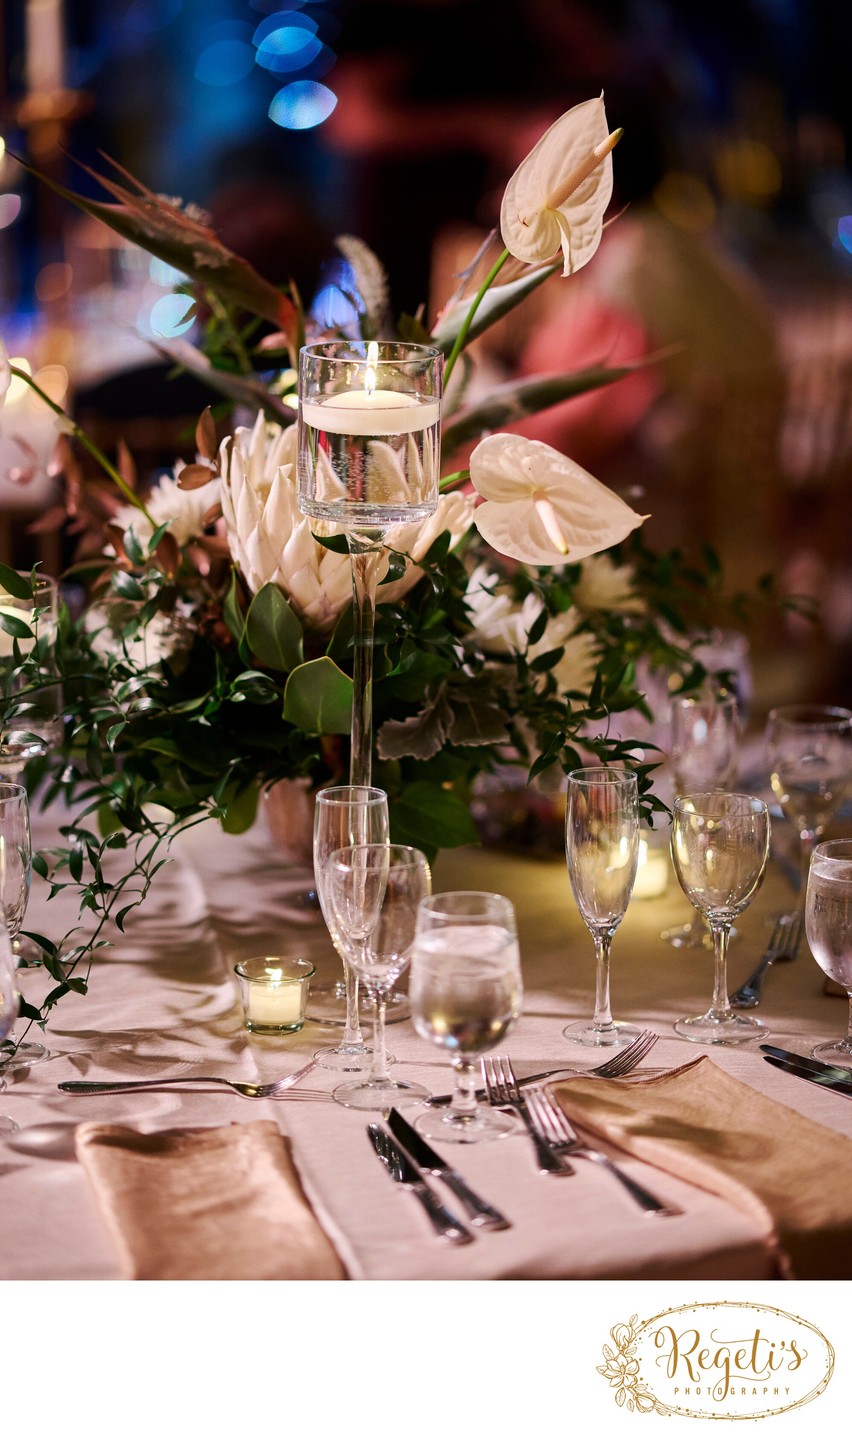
[
  {"x": 302, "y": 105},
  {"x": 53, "y": 379},
  {"x": 10, "y": 208},
  {"x": 18, "y": 388},
  {"x": 53, "y": 281},
  {"x": 748, "y": 170},
  {"x": 685, "y": 200}
]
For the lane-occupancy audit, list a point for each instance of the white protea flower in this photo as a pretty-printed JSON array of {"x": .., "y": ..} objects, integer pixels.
[
  {"x": 454, "y": 512},
  {"x": 608, "y": 586},
  {"x": 558, "y": 195},
  {"x": 270, "y": 539},
  {"x": 542, "y": 508},
  {"x": 182, "y": 509}
]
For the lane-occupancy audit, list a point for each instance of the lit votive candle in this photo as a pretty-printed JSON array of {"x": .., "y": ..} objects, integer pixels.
[
  {"x": 274, "y": 992},
  {"x": 652, "y": 873}
]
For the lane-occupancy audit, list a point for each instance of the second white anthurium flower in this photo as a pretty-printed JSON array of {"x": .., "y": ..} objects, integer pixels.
[
  {"x": 542, "y": 508},
  {"x": 558, "y": 195}
]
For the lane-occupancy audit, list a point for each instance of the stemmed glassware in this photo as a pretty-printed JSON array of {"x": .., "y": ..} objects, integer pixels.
[
  {"x": 8, "y": 1009},
  {"x": 373, "y": 891},
  {"x": 809, "y": 748},
  {"x": 704, "y": 754},
  {"x": 16, "y": 862},
  {"x": 466, "y": 994},
  {"x": 828, "y": 924},
  {"x": 346, "y": 815},
  {"x": 720, "y": 845},
  {"x": 602, "y": 850},
  {"x": 36, "y": 726},
  {"x": 368, "y": 458}
]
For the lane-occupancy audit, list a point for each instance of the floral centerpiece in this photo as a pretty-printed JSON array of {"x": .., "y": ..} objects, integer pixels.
[{"x": 213, "y": 658}]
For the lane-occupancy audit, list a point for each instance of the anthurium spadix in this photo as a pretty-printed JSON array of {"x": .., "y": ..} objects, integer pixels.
[
  {"x": 558, "y": 195},
  {"x": 5, "y": 372},
  {"x": 542, "y": 508}
]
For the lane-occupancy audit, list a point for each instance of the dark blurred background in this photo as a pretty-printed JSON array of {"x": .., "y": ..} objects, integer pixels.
[{"x": 400, "y": 121}]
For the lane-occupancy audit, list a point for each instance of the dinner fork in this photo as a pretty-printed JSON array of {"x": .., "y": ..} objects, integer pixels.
[
  {"x": 502, "y": 1091},
  {"x": 245, "y": 1090},
  {"x": 620, "y": 1063},
  {"x": 783, "y": 945},
  {"x": 558, "y": 1133}
]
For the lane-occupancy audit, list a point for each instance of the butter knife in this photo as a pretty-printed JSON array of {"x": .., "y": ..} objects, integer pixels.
[
  {"x": 804, "y": 1061},
  {"x": 824, "y": 1080},
  {"x": 480, "y": 1213},
  {"x": 406, "y": 1173}
]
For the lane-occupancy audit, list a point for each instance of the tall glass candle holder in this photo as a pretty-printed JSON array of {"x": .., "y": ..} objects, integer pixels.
[{"x": 369, "y": 458}]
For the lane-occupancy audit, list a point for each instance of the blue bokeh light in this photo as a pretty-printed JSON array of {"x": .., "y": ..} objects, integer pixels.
[
  {"x": 286, "y": 22},
  {"x": 224, "y": 63},
  {"x": 844, "y": 232},
  {"x": 302, "y": 105},
  {"x": 289, "y": 57},
  {"x": 167, "y": 317}
]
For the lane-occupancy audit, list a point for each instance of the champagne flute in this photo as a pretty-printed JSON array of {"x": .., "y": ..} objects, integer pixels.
[
  {"x": 373, "y": 891},
  {"x": 809, "y": 747},
  {"x": 602, "y": 851},
  {"x": 466, "y": 994},
  {"x": 16, "y": 862},
  {"x": 828, "y": 925},
  {"x": 8, "y": 1009},
  {"x": 346, "y": 815},
  {"x": 720, "y": 845},
  {"x": 704, "y": 755}
]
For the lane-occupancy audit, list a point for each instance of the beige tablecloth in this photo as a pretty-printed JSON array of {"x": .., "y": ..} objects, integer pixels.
[{"x": 165, "y": 1002}]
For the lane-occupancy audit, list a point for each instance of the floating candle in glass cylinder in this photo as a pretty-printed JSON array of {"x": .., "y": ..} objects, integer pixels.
[
  {"x": 274, "y": 992},
  {"x": 369, "y": 433}
]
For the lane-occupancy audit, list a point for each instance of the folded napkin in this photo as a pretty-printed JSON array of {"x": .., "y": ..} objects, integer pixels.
[
  {"x": 794, "y": 1176},
  {"x": 214, "y": 1203}
]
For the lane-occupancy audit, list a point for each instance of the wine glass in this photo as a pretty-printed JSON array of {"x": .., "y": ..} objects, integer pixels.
[
  {"x": 720, "y": 845},
  {"x": 373, "y": 891},
  {"x": 602, "y": 851},
  {"x": 16, "y": 862},
  {"x": 369, "y": 443},
  {"x": 466, "y": 994},
  {"x": 704, "y": 755},
  {"x": 828, "y": 924},
  {"x": 8, "y": 1009},
  {"x": 35, "y": 724},
  {"x": 809, "y": 747},
  {"x": 346, "y": 815}
]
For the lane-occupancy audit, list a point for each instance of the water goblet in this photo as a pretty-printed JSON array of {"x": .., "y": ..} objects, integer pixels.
[
  {"x": 720, "y": 845},
  {"x": 15, "y": 875},
  {"x": 373, "y": 892},
  {"x": 704, "y": 755},
  {"x": 809, "y": 748},
  {"x": 602, "y": 852},
  {"x": 345, "y": 815},
  {"x": 828, "y": 925},
  {"x": 466, "y": 994}
]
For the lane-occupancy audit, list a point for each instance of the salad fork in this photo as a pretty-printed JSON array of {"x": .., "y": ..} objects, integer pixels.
[
  {"x": 502, "y": 1091},
  {"x": 620, "y": 1064},
  {"x": 557, "y": 1132}
]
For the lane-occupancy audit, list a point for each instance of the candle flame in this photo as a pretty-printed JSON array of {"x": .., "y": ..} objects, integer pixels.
[
  {"x": 547, "y": 515},
  {"x": 372, "y": 361}
]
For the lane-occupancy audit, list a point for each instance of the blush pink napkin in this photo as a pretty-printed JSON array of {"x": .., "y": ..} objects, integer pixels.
[{"x": 223, "y": 1203}]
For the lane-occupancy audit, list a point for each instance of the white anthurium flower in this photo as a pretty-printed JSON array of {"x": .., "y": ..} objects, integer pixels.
[
  {"x": 270, "y": 539},
  {"x": 540, "y": 507},
  {"x": 558, "y": 195},
  {"x": 454, "y": 512},
  {"x": 182, "y": 509},
  {"x": 5, "y": 372},
  {"x": 605, "y": 585}
]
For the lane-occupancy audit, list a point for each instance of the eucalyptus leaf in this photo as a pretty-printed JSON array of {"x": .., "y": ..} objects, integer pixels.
[
  {"x": 318, "y": 698},
  {"x": 431, "y": 818},
  {"x": 273, "y": 632}
]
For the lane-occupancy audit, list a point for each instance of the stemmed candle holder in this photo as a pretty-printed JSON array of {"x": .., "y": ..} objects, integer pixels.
[{"x": 368, "y": 459}]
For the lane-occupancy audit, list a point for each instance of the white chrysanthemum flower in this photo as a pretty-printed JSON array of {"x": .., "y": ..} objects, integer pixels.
[
  {"x": 501, "y": 626},
  {"x": 578, "y": 665},
  {"x": 182, "y": 509},
  {"x": 606, "y": 585}
]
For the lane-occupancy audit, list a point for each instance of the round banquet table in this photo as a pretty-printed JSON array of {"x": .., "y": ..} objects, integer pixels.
[{"x": 164, "y": 1001}]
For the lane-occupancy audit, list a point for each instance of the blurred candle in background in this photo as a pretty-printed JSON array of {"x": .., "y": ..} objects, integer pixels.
[{"x": 45, "y": 46}]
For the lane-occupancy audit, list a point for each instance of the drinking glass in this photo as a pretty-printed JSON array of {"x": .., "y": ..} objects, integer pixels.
[
  {"x": 828, "y": 924},
  {"x": 466, "y": 994},
  {"x": 602, "y": 851},
  {"x": 720, "y": 844},
  {"x": 8, "y": 1009},
  {"x": 809, "y": 748},
  {"x": 373, "y": 891},
  {"x": 368, "y": 440},
  {"x": 704, "y": 755},
  {"x": 16, "y": 862},
  {"x": 346, "y": 815},
  {"x": 36, "y": 725}
]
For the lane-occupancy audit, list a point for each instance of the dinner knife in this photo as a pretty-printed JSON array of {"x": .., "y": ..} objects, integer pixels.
[
  {"x": 803, "y": 1061},
  {"x": 480, "y": 1213},
  {"x": 405, "y": 1172},
  {"x": 841, "y": 1086}
]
